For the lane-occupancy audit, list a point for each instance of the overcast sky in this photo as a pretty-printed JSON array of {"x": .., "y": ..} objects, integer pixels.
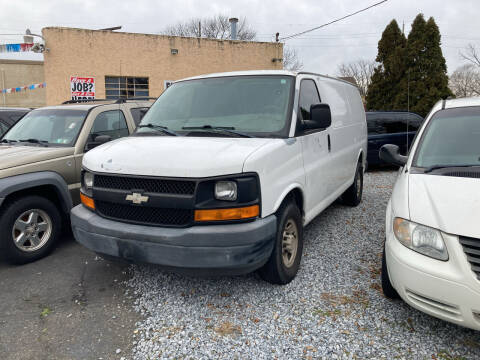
[{"x": 321, "y": 51}]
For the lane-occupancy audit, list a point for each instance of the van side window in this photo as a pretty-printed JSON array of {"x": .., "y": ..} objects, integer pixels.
[
  {"x": 110, "y": 123},
  {"x": 308, "y": 97}
]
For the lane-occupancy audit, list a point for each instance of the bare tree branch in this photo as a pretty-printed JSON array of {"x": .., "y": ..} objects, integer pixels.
[
  {"x": 361, "y": 70},
  {"x": 216, "y": 27},
  {"x": 465, "y": 81},
  {"x": 291, "y": 60},
  {"x": 471, "y": 54}
]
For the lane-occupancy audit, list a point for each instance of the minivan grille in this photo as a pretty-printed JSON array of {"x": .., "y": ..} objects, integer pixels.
[
  {"x": 150, "y": 185},
  {"x": 471, "y": 247},
  {"x": 145, "y": 215}
]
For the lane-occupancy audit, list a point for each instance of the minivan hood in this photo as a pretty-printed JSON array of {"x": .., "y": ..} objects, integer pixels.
[
  {"x": 448, "y": 203},
  {"x": 173, "y": 156},
  {"x": 18, "y": 155}
]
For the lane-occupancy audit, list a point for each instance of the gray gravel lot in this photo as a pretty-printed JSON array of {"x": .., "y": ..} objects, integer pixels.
[{"x": 333, "y": 309}]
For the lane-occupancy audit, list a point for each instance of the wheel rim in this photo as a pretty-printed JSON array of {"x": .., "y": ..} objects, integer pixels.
[
  {"x": 289, "y": 243},
  {"x": 359, "y": 186},
  {"x": 32, "y": 230}
]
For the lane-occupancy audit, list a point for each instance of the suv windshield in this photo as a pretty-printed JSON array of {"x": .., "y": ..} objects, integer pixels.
[
  {"x": 452, "y": 138},
  {"x": 256, "y": 105},
  {"x": 52, "y": 126}
]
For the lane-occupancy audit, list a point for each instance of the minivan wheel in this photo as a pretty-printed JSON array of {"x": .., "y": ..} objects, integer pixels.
[
  {"x": 353, "y": 195},
  {"x": 387, "y": 287},
  {"x": 282, "y": 267},
  {"x": 29, "y": 228}
]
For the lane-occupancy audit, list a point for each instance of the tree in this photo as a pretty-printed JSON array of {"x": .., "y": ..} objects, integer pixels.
[
  {"x": 471, "y": 54},
  {"x": 386, "y": 77},
  {"x": 426, "y": 79},
  {"x": 291, "y": 60},
  {"x": 465, "y": 81},
  {"x": 361, "y": 70},
  {"x": 216, "y": 27}
]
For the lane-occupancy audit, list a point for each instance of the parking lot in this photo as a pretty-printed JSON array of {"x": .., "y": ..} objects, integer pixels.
[{"x": 74, "y": 305}]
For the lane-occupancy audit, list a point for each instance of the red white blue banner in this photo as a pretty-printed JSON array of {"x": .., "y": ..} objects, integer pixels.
[
  {"x": 15, "y": 47},
  {"x": 23, "y": 88}
]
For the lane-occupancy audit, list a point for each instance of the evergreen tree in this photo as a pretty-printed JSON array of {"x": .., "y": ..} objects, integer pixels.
[
  {"x": 391, "y": 69},
  {"x": 425, "y": 80}
]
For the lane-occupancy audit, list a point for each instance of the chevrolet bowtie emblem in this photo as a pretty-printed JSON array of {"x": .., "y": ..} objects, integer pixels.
[{"x": 136, "y": 198}]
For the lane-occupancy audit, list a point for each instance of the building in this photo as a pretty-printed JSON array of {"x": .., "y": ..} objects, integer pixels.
[
  {"x": 125, "y": 65},
  {"x": 16, "y": 73}
]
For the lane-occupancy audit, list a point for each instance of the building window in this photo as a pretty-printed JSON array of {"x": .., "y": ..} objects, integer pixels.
[{"x": 124, "y": 87}]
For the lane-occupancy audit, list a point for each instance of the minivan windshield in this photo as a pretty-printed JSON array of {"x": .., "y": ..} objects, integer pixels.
[
  {"x": 451, "y": 138},
  {"x": 56, "y": 127},
  {"x": 253, "y": 105}
]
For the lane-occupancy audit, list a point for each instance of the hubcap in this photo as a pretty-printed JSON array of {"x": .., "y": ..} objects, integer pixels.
[
  {"x": 289, "y": 243},
  {"x": 32, "y": 230},
  {"x": 359, "y": 186}
]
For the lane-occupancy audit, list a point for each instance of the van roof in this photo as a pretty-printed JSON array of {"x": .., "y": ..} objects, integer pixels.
[{"x": 462, "y": 102}]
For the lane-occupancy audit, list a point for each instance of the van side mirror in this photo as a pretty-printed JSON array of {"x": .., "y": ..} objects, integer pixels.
[
  {"x": 321, "y": 117},
  {"x": 99, "y": 140},
  {"x": 391, "y": 154}
]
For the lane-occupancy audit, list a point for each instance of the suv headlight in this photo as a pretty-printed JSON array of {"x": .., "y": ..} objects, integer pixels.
[
  {"x": 87, "y": 180},
  {"x": 226, "y": 190},
  {"x": 420, "y": 238}
]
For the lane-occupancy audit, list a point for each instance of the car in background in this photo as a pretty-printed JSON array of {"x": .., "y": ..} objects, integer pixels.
[
  {"x": 40, "y": 167},
  {"x": 9, "y": 116},
  {"x": 390, "y": 127},
  {"x": 431, "y": 257}
]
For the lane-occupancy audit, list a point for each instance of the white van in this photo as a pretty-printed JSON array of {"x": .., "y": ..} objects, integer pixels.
[{"x": 224, "y": 172}]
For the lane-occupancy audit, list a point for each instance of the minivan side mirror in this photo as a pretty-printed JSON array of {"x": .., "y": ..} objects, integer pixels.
[
  {"x": 99, "y": 140},
  {"x": 321, "y": 117},
  {"x": 391, "y": 154}
]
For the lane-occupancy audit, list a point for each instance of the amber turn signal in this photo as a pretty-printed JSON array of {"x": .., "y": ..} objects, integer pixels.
[
  {"x": 87, "y": 201},
  {"x": 227, "y": 214}
]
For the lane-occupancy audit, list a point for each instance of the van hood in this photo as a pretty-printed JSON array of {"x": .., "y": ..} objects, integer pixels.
[
  {"x": 451, "y": 204},
  {"x": 173, "y": 156},
  {"x": 18, "y": 155}
]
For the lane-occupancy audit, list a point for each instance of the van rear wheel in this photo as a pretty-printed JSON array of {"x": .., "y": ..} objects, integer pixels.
[
  {"x": 282, "y": 267},
  {"x": 353, "y": 195}
]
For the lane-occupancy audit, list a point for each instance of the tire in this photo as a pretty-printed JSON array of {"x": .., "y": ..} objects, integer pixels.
[
  {"x": 282, "y": 266},
  {"x": 387, "y": 287},
  {"x": 353, "y": 195},
  {"x": 39, "y": 236}
]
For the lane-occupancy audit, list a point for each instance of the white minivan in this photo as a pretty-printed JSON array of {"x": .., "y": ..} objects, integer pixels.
[
  {"x": 223, "y": 173},
  {"x": 432, "y": 249}
]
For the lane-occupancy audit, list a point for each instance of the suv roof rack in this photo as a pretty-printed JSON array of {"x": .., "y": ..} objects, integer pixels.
[
  {"x": 135, "y": 98},
  {"x": 84, "y": 100}
]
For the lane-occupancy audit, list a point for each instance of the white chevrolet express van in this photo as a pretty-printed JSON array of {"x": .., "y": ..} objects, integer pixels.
[
  {"x": 224, "y": 172},
  {"x": 432, "y": 249}
]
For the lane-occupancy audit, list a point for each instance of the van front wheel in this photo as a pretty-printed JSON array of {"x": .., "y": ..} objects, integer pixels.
[
  {"x": 353, "y": 195},
  {"x": 282, "y": 267}
]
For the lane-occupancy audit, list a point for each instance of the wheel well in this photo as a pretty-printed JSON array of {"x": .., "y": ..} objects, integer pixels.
[
  {"x": 296, "y": 196},
  {"x": 46, "y": 191},
  {"x": 360, "y": 157}
]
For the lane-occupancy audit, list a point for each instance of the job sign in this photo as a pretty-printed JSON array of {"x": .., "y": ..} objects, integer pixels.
[{"x": 82, "y": 88}]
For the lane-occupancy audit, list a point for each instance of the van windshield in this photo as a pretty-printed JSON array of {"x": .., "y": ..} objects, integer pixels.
[
  {"x": 57, "y": 127},
  {"x": 450, "y": 139},
  {"x": 255, "y": 105}
]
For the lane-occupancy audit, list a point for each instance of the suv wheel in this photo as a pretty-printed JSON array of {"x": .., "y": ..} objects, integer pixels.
[
  {"x": 387, "y": 287},
  {"x": 282, "y": 267},
  {"x": 353, "y": 195},
  {"x": 30, "y": 226}
]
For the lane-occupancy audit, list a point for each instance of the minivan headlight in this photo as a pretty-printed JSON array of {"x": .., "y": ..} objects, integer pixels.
[
  {"x": 226, "y": 190},
  {"x": 87, "y": 180},
  {"x": 420, "y": 238}
]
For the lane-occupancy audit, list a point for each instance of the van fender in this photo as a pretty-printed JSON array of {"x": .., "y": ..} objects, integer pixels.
[
  {"x": 12, "y": 184},
  {"x": 284, "y": 194}
]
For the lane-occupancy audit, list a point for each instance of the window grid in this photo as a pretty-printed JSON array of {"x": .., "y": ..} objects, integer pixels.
[{"x": 124, "y": 87}]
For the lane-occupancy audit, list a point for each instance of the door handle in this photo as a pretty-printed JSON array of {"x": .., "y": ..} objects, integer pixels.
[{"x": 329, "y": 143}]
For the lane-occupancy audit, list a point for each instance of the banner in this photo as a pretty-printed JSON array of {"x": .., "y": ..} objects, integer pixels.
[
  {"x": 15, "y": 47},
  {"x": 82, "y": 88},
  {"x": 23, "y": 88}
]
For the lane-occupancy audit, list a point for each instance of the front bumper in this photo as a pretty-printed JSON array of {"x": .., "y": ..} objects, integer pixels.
[
  {"x": 208, "y": 249},
  {"x": 447, "y": 290}
]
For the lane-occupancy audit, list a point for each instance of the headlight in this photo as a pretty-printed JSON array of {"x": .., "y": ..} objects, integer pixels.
[
  {"x": 87, "y": 180},
  {"x": 226, "y": 190},
  {"x": 420, "y": 238}
]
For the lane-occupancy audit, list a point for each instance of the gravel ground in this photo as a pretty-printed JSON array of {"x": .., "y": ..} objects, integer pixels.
[{"x": 333, "y": 309}]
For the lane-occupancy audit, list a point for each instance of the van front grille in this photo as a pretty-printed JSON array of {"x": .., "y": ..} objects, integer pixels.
[
  {"x": 471, "y": 247},
  {"x": 143, "y": 184}
]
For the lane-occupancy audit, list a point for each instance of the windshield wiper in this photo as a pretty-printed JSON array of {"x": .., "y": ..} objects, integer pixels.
[
  {"x": 35, "y": 141},
  {"x": 7, "y": 141},
  {"x": 436, "y": 167},
  {"x": 159, "y": 128},
  {"x": 225, "y": 129}
]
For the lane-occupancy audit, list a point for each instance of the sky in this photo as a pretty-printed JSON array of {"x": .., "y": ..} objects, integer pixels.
[{"x": 321, "y": 51}]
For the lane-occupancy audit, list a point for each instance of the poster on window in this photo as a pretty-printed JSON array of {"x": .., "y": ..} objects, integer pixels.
[{"x": 82, "y": 88}]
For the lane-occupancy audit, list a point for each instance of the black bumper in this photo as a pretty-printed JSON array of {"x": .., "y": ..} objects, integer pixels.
[{"x": 208, "y": 249}]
